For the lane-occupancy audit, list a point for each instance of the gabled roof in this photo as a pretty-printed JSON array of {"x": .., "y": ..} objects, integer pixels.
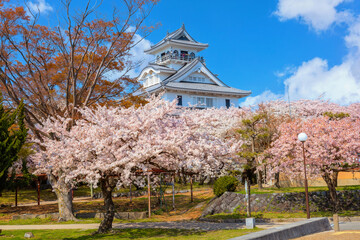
[
  {"x": 157, "y": 68},
  {"x": 190, "y": 68},
  {"x": 179, "y": 37},
  {"x": 205, "y": 87},
  {"x": 171, "y": 83}
]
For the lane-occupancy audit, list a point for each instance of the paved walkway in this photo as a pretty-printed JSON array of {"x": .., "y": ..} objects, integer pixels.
[
  {"x": 348, "y": 231},
  {"x": 205, "y": 226}
]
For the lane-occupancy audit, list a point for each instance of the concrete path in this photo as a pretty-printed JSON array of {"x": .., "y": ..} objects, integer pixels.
[
  {"x": 349, "y": 226},
  {"x": 348, "y": 231},
  {"x": 204, "y": 226}
]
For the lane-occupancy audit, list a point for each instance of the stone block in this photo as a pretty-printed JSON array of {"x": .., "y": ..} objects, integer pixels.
[
  {"x": 137, "y": 215},
  {"x": 42, "y": 216},
  {"x": 250, "y": 223},
  {"x": 99, "y": 215},
  {"x": 122, "y": 215},
  {"x": 28, "y": 235},
  {"x": 24, "y": 216},
  {"x": 141, "y": 215},
  {"x": 86, "y": 215}
]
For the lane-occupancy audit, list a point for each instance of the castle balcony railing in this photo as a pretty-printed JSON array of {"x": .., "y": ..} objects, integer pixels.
[{"x": 176, "y": 58}]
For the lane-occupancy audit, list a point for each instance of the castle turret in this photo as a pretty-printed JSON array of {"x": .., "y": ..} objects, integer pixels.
[{"x": 179, "y": 72}]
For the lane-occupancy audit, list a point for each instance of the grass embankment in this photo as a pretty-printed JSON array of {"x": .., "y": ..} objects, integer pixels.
[
  {"x": 255, "y": 190},
  {"x": 284, "y": 215},
  {"x": 151, "y": 234}
]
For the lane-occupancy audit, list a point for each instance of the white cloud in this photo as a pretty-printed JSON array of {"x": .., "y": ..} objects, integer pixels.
[
  {"x": 319, "y": 14},
  {"x": 39, "y": 6},
  {"x": 263, "y": 97},
  {"x": 353, "y": 38},
  {"x": 339, "y": 83},
  {"x": 138, "y": 55},
  {"x": 314, "y": 78},
  {"x": 287, "y": 71}
]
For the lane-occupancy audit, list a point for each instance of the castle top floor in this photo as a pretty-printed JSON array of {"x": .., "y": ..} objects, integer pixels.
[{"x": 177, "y": 46}]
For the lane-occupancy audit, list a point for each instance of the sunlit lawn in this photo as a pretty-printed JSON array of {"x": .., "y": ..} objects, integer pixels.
[{"x": 151, "y": 234}]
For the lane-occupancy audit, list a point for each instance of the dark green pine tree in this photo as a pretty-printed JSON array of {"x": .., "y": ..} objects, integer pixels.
[{"x": 12, "y": 137}]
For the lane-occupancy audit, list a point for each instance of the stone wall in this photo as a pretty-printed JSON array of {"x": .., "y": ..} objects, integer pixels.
[
  {"x": 118, "y": 215},
  {"x": 231, "y": 202}
]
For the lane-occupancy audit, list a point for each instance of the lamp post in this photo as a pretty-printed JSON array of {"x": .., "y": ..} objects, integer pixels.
[{"x": 302, "y": 138}]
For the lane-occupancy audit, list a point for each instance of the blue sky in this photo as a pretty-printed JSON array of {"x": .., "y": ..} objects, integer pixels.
[{"x": 310, "y": 47}]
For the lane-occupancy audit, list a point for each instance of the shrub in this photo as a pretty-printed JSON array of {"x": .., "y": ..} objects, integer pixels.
[{"x": 225, "y": 183}]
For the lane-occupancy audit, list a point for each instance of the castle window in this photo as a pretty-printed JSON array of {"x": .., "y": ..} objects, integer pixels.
[
  {"x": 179, "y": 98},
  {"x": 227, "y": 103},
  {"x": 209, "y": 102},
  {"x": 203, "y": 102},
  {"x": 192, "y": 56},
  {"x": 200, "y": 101},
  {"x": 184, "y": 55},
  {"x": 176, "y": 53}
]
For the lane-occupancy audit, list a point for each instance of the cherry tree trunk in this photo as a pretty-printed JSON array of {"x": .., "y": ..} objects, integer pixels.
[
  {"x": 202, "y": 180},
  {"x": 63, "y": 194},
  {"x": 259, "y": 179},
  {"x": 331, "y": 182},
  {"x": 277, "y": 180},
  {"x": 66, "y": 210},
  {"x": 107, "y": 187}
]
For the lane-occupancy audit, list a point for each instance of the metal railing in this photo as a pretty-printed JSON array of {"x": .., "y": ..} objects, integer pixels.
[{"x": 186, "y": 58}]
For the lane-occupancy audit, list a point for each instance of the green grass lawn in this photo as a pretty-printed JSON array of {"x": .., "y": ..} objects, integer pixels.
[
  {"x": 38, "y": 221},
  {"x": 151, "y": 234},
  {"x": 255, "y": 190}
]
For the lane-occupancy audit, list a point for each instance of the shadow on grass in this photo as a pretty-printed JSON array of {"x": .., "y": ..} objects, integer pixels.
[{"x": 140, "y": 233}]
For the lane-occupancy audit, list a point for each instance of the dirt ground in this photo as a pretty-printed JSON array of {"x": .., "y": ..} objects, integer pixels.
[
  {"x": 184, "y": 210},
  {"x": 331, "y": 235}
]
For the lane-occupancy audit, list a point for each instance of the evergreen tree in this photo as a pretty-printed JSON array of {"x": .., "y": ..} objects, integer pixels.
[
  {"x": 12, "y": 137},
  {"x": 257, "y": 135}
]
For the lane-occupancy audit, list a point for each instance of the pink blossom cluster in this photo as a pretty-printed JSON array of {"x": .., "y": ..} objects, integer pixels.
[
  {"x": 332, "y": 145},
  {"x": 111, "y": 141},
  {"x": 311, "y": 108}
]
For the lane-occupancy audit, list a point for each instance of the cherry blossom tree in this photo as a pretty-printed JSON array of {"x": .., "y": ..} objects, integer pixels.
[
  {"x": 333, "y": 145},
  {"x": 220, "y": 123},
  {"x": 304, "y": 109},
  {"x": 108, "y": 145}
]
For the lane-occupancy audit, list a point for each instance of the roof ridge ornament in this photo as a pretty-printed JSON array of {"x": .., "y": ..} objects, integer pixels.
[{"x": 183, "y": 26}]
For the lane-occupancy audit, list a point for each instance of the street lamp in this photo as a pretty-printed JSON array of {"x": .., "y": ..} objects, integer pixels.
[{"x": 302, "y": 138}]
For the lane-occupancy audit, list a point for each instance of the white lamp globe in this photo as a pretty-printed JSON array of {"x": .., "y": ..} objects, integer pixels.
[{"x": 302, "y": 137}]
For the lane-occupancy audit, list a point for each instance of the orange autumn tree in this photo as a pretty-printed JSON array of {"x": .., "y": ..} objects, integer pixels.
[
  {"x": 82, "y": 61},
  {"x": 74, "y": 64}
]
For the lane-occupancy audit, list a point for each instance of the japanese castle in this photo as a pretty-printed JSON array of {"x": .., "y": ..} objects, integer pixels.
[{"x": 180, "y": 73}]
